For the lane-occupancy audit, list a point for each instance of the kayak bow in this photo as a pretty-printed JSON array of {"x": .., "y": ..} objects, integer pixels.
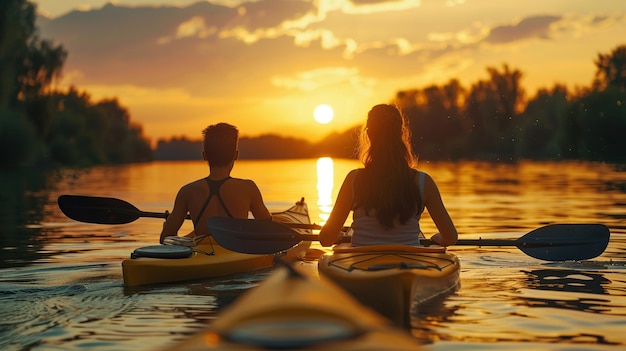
[{"x": 294, "y": 310}]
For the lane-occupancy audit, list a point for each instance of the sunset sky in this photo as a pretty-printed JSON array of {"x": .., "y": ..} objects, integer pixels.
[{"x": 264, "y": 66}]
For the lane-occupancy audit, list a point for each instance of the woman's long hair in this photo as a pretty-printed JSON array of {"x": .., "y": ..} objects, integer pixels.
[{"x": 387, "y": 183}]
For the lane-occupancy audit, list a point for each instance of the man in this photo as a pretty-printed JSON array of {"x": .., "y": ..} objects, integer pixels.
[{"x": 218, "y": 194}]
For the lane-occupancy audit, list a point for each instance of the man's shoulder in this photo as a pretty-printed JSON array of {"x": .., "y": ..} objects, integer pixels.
[
  {"x": 193, "y": 185},
  {"x": 242, "y": 181}
]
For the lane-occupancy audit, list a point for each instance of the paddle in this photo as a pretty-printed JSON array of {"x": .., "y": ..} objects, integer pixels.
[
  {"x": 103, "y": 210},
  {"x": 108, "y": 210},
  {"x": 556, "y": 242}
]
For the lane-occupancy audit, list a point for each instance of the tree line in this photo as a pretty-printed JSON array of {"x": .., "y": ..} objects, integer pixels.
[
  {"x": 40, "y": 125},
  {"x": 265, "y": 147},
  {"x": 492, "y": 119}
]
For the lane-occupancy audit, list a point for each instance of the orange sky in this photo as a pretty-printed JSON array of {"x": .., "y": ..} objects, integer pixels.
[{"x": 264, "y": 66}]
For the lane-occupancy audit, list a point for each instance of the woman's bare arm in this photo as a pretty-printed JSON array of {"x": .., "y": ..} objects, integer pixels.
[
  {"x": 343, "y": 205},
  {"x": 447, "y": 231}
]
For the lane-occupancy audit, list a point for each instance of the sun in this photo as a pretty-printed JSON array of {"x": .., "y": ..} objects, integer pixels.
[{"x": 323, "y": 114}]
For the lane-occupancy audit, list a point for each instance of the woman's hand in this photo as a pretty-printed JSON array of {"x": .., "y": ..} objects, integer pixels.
[{"x": 436, "y": 238}]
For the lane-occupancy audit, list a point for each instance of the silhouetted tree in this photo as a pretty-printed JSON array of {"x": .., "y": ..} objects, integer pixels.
[
  {"x": 87, "y": 133},
  {"x": 27, "y": 67},
  {"x": 540, "y": 126},
  {"x": 435, "y": 118},
  {"x": 340, "y": 145},
  {"x": 271, "y": 146},
  {"x": 595, "y": 124},
  {"x": 611, "y": 69},
  {"x": 492, "y": 109},
  {"x": 595, "y": 127},
  {"x": 178, "y": 148}
]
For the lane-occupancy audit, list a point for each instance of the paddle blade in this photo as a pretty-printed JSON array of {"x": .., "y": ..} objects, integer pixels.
[
  {"x": 253, "y": 236},
  {"x": 100, "y": 210},
  {"x": 565, "y": 242}
]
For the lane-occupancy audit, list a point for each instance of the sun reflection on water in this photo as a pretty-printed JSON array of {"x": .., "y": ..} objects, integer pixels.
[{"x": 325, "y": 175}]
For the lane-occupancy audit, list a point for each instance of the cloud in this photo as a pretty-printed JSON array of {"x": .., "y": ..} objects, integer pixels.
[
  {"x": 324, "y": 78},
  {"x": 376, "y": 6},
  {"x": 195, "y": 27},
  {"x": 215, "y": 50},
  {"x": 271, "y": 46},
  {"x": 271, "y": 14},
  {"x": 575, "y": 24},
  {"x": 531, "y": 27}
]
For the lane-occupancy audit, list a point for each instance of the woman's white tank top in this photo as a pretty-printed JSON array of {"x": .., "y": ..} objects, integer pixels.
[{"x": 368, "y": 230}]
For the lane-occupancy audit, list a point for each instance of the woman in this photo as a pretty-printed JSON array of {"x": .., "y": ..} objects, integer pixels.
[{"x": 388, "y": 195}]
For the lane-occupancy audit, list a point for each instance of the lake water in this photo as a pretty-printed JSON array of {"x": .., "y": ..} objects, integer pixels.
[{"x": 61, "y": 284}]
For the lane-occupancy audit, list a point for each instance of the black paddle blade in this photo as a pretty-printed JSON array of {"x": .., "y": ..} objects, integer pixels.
[
  {"x": 100, "y": 210},
  {"x": 253, "y": 236},
  {"x": 565, "y": 242}
]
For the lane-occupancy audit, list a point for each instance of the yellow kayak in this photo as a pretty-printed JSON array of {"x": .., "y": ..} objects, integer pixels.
[
  {"x": 392, "y": 278},
  {"x": 174, "y": 263},
  {"x": 294, "y": 310}
]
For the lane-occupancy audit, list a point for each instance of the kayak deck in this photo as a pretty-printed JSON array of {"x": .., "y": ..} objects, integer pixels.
[
  {"x": 392, "y": 278},
  {"x": 209, "y": 259},
  {"x": 146, "y": 270},
  {"x": 294, "y": 310}
]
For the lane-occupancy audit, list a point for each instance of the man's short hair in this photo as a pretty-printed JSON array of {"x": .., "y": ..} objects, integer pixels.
[{"x": 220, "y": 144}]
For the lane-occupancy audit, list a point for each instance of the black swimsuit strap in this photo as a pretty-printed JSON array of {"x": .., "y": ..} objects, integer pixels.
[
  {"x": 214, "y": 186},
  {"x": 214, "y": 189}
]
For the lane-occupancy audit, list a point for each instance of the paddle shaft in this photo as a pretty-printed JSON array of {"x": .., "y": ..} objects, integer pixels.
[
  {"x": 499, "y": 242},
  {"x": 163, "y": 215},
  {"x": 460, "y": 242},
  {"x": 106, "y": 210},
  {"x": 312, "y": 226},
  {"x": 554, "y": 242}
]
